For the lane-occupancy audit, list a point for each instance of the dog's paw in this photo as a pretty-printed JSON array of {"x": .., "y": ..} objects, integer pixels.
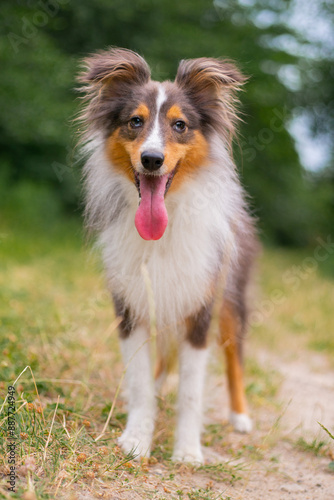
[
  {"x": 241, "y": 422},
  {"x": 189, "y": 454},
  {"x": 134, "y": 442}
]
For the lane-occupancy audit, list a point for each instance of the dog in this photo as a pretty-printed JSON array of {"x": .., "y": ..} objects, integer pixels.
[{"x": 163, "y": 195}]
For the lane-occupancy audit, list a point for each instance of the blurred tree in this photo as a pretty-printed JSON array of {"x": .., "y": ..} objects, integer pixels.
[
  {"x": 36, "y": 99},
  {"x": 315, "y": 101},
  {"x": 43, "y": 40}
]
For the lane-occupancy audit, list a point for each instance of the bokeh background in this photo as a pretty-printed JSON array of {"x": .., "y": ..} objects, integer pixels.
[{"x": 284, "y": 152}]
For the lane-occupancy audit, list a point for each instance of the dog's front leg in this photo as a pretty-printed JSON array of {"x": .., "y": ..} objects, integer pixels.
[
  {"x": 138, "y": 433},
  {"x": 193, "y": 356}
]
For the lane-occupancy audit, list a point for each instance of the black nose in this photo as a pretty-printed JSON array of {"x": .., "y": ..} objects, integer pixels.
[{"x": 152, "y": 160}]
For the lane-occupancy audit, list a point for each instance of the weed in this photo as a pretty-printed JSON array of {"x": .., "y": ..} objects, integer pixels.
[
  {"x": 227, "y": 472},
  {"x": 205, "y": 494},
  {"x": 331, "y": 463},
  {"x": 316, "y": 446}
]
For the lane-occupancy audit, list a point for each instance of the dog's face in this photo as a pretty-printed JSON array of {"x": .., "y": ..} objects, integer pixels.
[{"x": 158, "y": 134}]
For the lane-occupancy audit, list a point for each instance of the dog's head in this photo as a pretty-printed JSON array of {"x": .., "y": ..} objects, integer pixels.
[{"x": 157, "y": 134}]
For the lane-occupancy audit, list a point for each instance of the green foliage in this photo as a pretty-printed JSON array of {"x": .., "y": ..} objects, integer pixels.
[{"x": 40, "y": 49}]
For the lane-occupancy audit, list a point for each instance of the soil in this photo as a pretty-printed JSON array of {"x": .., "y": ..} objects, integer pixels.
[
  {"x": 276, "y": 468},
  {"x": 305, "y": 397}
]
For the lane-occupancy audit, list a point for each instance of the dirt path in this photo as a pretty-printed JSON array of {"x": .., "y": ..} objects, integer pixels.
[
  {"x": 274, "y": 468},
  {"x": 306, "y": 397}
]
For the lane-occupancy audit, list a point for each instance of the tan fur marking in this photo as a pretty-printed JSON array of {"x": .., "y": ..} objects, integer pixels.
[
  {"x": 191, "y": 157},
  {"x": 123, "y": 154},
  {"x": 229, "y": 329},
  {"x": 142, "y": 111},
  {"x": 118, "y": 155},
  {"x": 175, "y": 113}
]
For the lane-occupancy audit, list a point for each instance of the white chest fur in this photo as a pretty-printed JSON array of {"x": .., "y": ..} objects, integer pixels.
[{"x": 183, "y": 263}]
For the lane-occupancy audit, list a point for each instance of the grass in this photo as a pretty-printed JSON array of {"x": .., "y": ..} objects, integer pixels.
[
  {"x": 57, "y": 319},
  {"x": 316, "y": 446},
  {"x": 262, "y": 383},
  {"x": 331, "y": 463},
  {"x": 295, "y": 301}
]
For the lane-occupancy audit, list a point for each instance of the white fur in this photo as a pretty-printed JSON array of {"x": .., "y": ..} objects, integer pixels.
[
  {"x": 188, "y": 433},
  {"x": 241, "y": 422},
  {"x": 155, "y": 139},
  {"x": 138, "y": 433}
]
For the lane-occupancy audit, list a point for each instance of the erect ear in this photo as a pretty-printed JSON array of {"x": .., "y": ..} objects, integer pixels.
[
  {"x": 109, "y": 78},
  {"x": 211, "y": 85},
  {"x": 208, "y": 75},
  {"x": 115, "y": 65}
]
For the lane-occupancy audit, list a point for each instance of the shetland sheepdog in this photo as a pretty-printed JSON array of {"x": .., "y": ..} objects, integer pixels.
[{"x": 164, "y": 198}]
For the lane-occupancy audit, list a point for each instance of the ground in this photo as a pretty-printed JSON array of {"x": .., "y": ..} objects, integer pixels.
[{"x": 56, "y": 318}]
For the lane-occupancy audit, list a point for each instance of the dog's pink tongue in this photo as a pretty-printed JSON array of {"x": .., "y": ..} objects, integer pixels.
[{"x": 151, "y": 216}]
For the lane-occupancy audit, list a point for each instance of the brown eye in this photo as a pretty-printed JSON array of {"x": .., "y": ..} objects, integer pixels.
[
  {"x": 136, "y": 122},
  {"x": 179, "y": 126}
]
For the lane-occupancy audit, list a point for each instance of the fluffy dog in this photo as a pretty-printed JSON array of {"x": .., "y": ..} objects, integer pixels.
[{"x": 162, "y": 192}]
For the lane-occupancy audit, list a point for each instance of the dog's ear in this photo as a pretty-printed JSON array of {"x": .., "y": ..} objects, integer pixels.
[
  {"x": 114, "y": 66},
  {"x": 211, "y": 85},
  {"x": 210, "y": 76},
  {"x": 109, "y": 78}
]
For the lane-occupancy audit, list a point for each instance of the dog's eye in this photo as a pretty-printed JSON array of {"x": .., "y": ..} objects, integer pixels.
[
  {"x": 136, "y": 122},
  {"x": 179, "y": 126}
]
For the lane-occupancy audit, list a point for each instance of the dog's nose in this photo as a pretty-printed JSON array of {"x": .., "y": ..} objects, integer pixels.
[{"x": 152, "y": 160}]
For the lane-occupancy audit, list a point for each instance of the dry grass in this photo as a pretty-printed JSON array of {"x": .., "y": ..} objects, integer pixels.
[
  {"x": 295, "y": 302},
  {"x": 56, "y": 318}
]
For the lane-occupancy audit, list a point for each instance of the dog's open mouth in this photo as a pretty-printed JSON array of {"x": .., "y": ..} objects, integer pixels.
[{"x": 151, "y": 216}]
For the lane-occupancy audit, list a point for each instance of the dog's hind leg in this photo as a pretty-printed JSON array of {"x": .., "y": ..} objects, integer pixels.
[{"x": 231, "y": 335}]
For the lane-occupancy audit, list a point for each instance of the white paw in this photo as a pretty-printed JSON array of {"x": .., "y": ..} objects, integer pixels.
[
  {"x": 241, "y": 422},
  {"x": 191, "y": 454},
  {"x": 136, "y": 443}
]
